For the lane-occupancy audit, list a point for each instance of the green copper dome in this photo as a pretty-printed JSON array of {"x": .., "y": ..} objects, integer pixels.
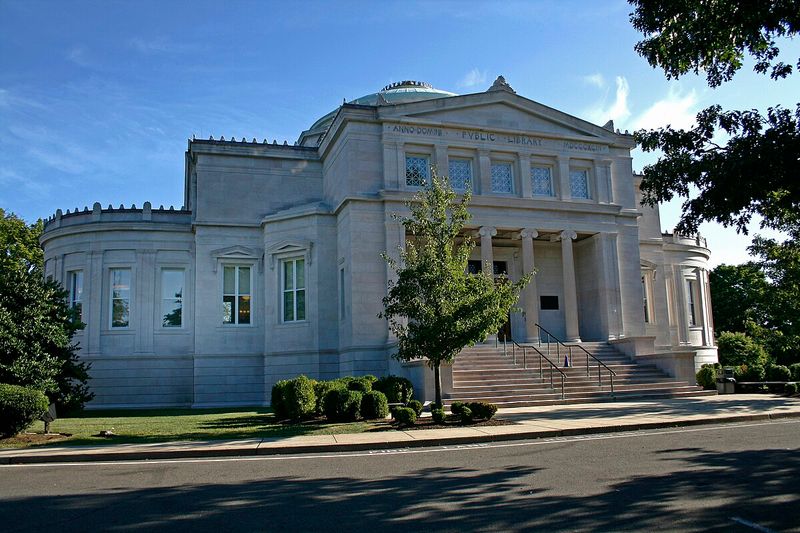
[{"x": 401, "y": 92}]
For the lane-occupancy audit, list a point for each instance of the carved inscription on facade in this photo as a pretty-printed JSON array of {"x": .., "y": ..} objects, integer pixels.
[{"x": 495, "y": 137}]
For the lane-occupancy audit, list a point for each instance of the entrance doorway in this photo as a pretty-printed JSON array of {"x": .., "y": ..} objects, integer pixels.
[{"x": 505, "y": 330}]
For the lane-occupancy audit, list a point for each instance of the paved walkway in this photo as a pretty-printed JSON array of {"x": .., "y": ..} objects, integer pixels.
[{"x": 529, "y": 423}]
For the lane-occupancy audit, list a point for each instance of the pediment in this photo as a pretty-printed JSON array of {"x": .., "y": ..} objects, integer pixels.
[
  {"x": 498, "y": 111},
  {"x": 288, "y": 248},
  {"x": 236, "y": 252}
]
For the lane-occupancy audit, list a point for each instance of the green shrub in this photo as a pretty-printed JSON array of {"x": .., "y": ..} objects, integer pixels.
[
  {"x": 405, "y": 416},
  {"x": 374, "y": 405},
  {"x": 790, "y": 389},
  {"x": 794, "y": 368},
  {"x": 706, "y": 376},
  {"x": 362, "y": 384},
  {"x": 278, "y": 394},
  {"x": 457, "y": 407},
  {"x": 779, "y": 373},
  {"x": 438, "y": 415},
  {"x": 370, "y": 378},
  {"x": 483, "y": 410},
  {"x": 19, "y": 407},
  {"x": 736, "y": 349},
  {"x": 320, "y": 389},
  {"x": 466, "y": 415},
  {"x": 749, "y": 373},
  {"x": 396, "y": 389},
  {"x": 342, "y": 404},
  {"x": 416, "y": 405},
  {"x": 299, "y": 399}
]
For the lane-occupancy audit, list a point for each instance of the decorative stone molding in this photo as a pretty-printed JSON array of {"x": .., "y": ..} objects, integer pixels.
[
  {"x": 235, "y": 253},
  {"x": 528, "y": 233},
  {"x": 486, "y": 231},
  {"x": 289, "y": 248},
  {"x": 568, "y": 234}
]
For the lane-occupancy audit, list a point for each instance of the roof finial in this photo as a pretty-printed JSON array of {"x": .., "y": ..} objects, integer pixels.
[{"x": 500, "y": 84}]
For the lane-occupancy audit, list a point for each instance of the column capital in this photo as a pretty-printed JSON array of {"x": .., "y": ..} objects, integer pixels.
[
  {"x": 567, "y": 234},
  {"x": 526, "y": 233},
  {"x": 487, "y": 231}
]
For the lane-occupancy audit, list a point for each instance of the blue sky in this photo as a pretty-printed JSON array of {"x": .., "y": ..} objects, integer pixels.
[{"x": 98, "y": 99}]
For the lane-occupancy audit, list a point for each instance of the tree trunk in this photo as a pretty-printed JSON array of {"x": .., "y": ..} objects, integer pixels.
[{"x": 437, "y": 378}]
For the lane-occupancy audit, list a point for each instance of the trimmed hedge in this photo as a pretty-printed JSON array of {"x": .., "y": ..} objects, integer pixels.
[
  {"x": 276, "y": 401},
  {"x": 790, "y": 389},
  {"x": 457, "y": 407},
  {"x": 19, "y": 407},
  {"x": 321, "y": 388},
  {"x": 299, "y": 398},
  {"x": 374, "y": 405},
  {"x": 438, "y": 416},
  {"x": 416, "y": 405},
  {"x": 396, "y": 389},
  {"x": 779, "y": 373},
  {"x": 362, "y": 384},
  {"x": 405, "y": 416},
  {"x": 342, "y": 404},
  {"x": 706, "y": 376},
  {"x": 482, "y": 410},
  {"x": 795, "y": 370},
  {"x": 466, "y": 415}
]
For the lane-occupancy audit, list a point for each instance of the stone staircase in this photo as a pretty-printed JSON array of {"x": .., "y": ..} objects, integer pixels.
[{"x": 483, "y": 373}]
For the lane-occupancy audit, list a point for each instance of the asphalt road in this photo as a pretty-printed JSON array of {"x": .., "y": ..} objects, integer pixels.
[{"x": 732, "y": 478}]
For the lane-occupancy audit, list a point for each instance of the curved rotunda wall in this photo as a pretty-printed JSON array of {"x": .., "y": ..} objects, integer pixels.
[{"x": 144, "y": 362}]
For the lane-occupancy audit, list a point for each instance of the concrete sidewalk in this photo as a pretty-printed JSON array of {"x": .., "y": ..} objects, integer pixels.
[{"x": 529, "y": 423}]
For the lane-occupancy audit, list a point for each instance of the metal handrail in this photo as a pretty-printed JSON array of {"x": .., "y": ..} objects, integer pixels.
[
  {"x": 515, "y": 345},
  {"x": 611, "y": 373},
  {"x": 559, "y": 344}
]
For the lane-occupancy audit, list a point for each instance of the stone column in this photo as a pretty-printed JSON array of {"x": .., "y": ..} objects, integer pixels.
[
  {"x": 487, "y": 257},
  {"x": 701, "y": 313},
  {"x": 530, "y": 295},
  {"x": 570, "y": 287},
  {"x": 682, "y": 306},
  {"x": 94, "y": 291}
]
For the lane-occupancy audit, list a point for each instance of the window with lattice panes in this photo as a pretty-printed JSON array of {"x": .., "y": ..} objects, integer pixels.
[
  {"x": 541, "y": 181},
  {"x": 502, "y": 178},
  {"x": 418, "y": 170},
  {"x": 579, "y": 183},
  {"x": 460, "y": 171}
]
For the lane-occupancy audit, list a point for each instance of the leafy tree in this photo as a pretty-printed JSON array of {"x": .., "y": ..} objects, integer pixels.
[
  {"x": 756, "y": 171},
  {"x": 739, "y": 294},
  {"x": 436, "y": 308},
  {"x": 739, "y": 349},
  {"x": 780, "y": 262},
  {"x": 36, "y": 323}
]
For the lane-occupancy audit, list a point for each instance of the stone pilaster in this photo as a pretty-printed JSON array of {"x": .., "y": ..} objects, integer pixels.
[{"x": 487, "y": 257}]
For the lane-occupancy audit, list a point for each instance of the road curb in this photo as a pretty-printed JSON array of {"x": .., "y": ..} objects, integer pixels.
[{"x": 199, "y": 452}]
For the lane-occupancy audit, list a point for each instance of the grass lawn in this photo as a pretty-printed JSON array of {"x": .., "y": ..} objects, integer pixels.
[{"x": 160, "y": 425}]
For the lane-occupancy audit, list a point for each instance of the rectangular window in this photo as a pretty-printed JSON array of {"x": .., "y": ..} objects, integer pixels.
[
  {"x": 120, "y": 311},
  {"x": 690, "y": 298},
  {"x": 236, "y": 295},
  {"x": 76, "y": 292},
  {"x": 474, "y": 266},
  {"x": 294, "y": 290},
  {"x": 172, "y": 282},
  {"x": 500, "y": 268},
  {"x": 645, "y": 300},
  {"x": 502, "y": 178},
  {"x": 579, "y": 183},
  {"x": 460, "y": 174},
  {"x": 418, "y": 170},
  {"x": 548, "y": 303},
  {"x": 541, "y": 181}
]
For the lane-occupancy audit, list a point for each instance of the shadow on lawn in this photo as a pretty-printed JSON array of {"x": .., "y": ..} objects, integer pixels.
[{"x": 699, "y": 490}]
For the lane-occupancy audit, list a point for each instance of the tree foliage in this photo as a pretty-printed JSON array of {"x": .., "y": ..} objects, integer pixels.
[
  {"x": 36, "y": 323},
  {"x": 755, "y": 171},
  {"x": 739, "y": 296},
  {"x": 436, "y": 308}
]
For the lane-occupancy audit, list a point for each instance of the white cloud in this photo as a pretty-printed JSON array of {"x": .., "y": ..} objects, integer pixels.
[
  {"x": 676, "y": 109},
  {"x": 596, "y": 79},
  {"x": 473, "y": 78},
  {"x": 79, "y": 55},
  {"x": 160, "y": 46},
  {"x": 617, "y": 111}
]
